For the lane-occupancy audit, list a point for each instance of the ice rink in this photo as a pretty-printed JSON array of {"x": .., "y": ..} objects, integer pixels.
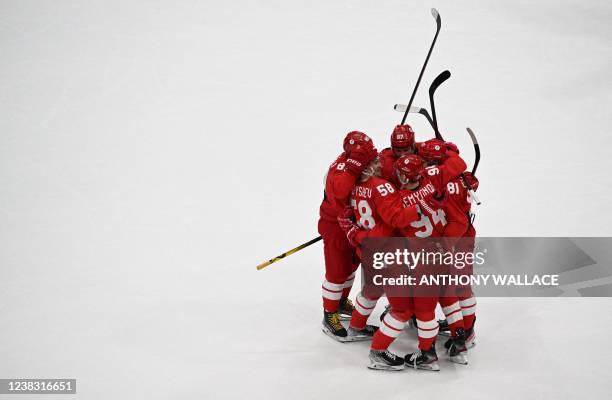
[{"x": 153, "y": 152}]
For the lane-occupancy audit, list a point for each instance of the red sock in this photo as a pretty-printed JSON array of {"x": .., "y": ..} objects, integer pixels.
[
  {"x": 380, "y": 341},
  {"x": 358, "y": 320},
  {"x": 331, "y": 295},
  {"x": 348, "y": 285},
  {"x": 390, "y": 328},
  {"x": 428, "y": 331},
  {"x": 468, "y": 309},
  {"x": 454, "y": 316},
  {"x": 363, "y": 309}
]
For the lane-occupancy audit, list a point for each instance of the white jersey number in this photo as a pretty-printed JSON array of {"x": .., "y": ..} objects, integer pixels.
[
  {"x": 385, "y": 189},
  {"x": 452, "y": 187},
  {"x": 432, "y": 171},
  {"x": 366, "y": 220},
  {"x": 438, "y": 217}
]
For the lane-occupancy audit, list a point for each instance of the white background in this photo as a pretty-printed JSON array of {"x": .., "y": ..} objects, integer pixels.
[{"x": 153, "y": 152}]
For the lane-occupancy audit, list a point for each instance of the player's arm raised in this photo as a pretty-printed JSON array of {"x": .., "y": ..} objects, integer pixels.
[
  {"x": 452, "y": 167},
  {"x": 447, "y": 164}
]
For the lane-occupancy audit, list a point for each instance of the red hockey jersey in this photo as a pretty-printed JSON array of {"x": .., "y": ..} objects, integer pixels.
[
  {"x": 379, "y": 208},
  {"x": 338, "y": 185}
]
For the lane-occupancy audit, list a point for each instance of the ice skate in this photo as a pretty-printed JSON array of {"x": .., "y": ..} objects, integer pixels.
[
  {"x": 456, "y": 348},
  {"x": 354, "y": 335},
  {"x": 427, "y": 360},
  {"x": 470, "y": 340},
  {"x": 333, "y": 328},
  {"x": 385, "y": 360},
  {"x": 444, "y": 329}
]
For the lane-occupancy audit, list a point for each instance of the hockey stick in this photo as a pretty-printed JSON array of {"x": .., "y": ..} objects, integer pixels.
[
  {"x": 415, "y": 110},
  {"x": 440, "y": 79},
  {"x": 476, "y": 149},
  {"x": 436, "y": 15},
  {"x": 476, "y": 161},
  {"x": 288, "y": 253}
]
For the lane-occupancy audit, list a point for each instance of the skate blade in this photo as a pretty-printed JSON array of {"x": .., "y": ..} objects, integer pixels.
[
  {"x": 384, "y": 367},
  {"x": 336, "y": 338},
  {"x": 434, "y": 366},
  {"x": 444, "y": 334},
  {"x": 358, "y": 338},
  {"x": 459, "y": 359}
]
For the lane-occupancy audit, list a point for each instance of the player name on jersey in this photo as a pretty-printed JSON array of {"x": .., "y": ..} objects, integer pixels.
[
  {"x": 362, "y": 191},
  {"x": 411, "y": 198}
]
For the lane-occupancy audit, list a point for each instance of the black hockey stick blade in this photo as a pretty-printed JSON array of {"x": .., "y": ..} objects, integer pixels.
[
  {"x": 440, "y": 79},
  {"x": 436, "y": 16},
  {"x": 415, "y": 110},
  {"x": 476, "y": 150}
]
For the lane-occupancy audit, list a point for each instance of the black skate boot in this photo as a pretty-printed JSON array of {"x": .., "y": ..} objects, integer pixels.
[
  {"x": 427, "y": 360},
  {"x": 470, "y": 338},
  {"x": 456, "y": 348},
  {"x": 332, "y": 327},
  {"x": 354, "y": 335},
  {"x": 345, "y": 310},
  {"x": 385, "y": 360},
  {"x": 444, "y": 329}
]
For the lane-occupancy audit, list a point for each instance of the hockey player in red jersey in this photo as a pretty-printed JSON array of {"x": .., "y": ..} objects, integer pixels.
[
  {"x": 340, "y": 258},
  {"x": 420, "y": 187},
  {"x": 378, "y": 210},
  {"x": 402, "y": 143},
  {"x": 456, "y": 300},
  {"x": 460, "y": 225}
]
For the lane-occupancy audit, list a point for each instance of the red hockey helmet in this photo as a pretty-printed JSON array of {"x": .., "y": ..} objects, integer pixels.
[
  {"x": 402, "y": 137},
  {"x": 409, "y": 168},
  {"x": 354, "y": 139},
  {"x": 433, "y": 150}
]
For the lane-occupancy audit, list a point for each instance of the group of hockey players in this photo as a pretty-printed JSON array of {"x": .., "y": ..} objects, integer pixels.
[{"x": 414, "y": 190}]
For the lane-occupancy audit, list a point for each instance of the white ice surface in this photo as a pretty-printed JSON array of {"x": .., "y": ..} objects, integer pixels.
[{"x": 153, "y": 152}]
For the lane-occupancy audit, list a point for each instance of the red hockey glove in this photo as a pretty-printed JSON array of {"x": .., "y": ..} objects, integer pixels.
[
  {"x": 346, "y": 219},
  {"x": 360, "y": 157},
  {"x": 351, "y": 234},
  {"x": 471, "y": 180}
]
